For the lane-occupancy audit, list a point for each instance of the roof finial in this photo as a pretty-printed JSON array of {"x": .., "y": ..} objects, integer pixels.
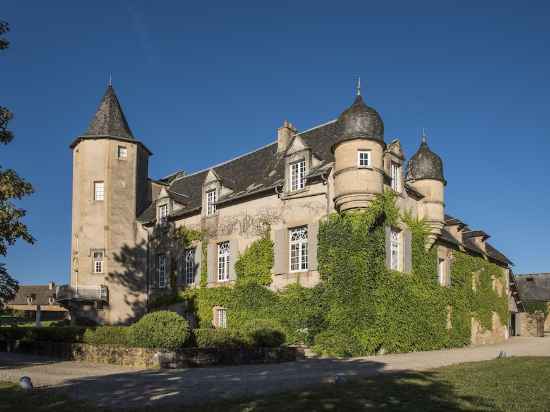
[
  {"x": 358, "y": 87},
  {"x": 110, "y": 80},
  {"x": 424, "y": 136}
]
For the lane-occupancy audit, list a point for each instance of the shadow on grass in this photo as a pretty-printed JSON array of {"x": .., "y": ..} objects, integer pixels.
[{"x": 311, "y": 385}]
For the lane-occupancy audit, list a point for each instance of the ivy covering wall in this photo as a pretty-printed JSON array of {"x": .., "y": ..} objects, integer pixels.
[{"x": 361, "y": 307}]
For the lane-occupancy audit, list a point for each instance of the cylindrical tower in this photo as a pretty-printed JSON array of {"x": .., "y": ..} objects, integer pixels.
[
  {"x": 425, "y": 174},
  {"x": 358, "y": 153}
]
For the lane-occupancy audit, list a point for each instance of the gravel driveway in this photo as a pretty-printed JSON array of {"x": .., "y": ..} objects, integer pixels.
[{"x": 115, "y": 386}]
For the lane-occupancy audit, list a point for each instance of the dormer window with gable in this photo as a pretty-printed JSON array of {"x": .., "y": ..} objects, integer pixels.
[
  {"x": 395, "y": 174},
  {"x": 297, "y": 175},
  {"x": 211, "y": 199}
]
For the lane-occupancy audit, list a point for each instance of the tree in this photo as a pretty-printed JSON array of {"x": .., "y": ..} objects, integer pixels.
[{"x": 12, "y": 187}]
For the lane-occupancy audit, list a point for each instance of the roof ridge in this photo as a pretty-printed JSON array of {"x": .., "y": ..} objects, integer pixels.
[{"x": 317, "y": 127}]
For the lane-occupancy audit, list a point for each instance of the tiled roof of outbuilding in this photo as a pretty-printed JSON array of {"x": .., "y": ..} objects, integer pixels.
[
  {"x": 534, "y": 287},
  {"x": 40, "y": 294}
]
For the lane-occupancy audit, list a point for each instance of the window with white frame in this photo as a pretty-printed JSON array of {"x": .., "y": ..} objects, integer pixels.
[
  {"x": 298, "y": 249},
  {"x": 297, "y": 175},
  {"x": 122, "y": 152},
  {"x": 363, "y": 158},
  {"x": 441, "y": 272},
  {"x": 395, "y": 249},
  {"x": 99, "y": 191},
  {"x": 211, "y": 198},
  {"x": 189, "y": 266},
  {"x": 395, "y": 171},
  {"x": 98, "y": 258},
  {"x": 163, "y": 213},
  {"x": 161, "y": 270},
  {"x": 221, "y": 318},
  {"x": 223, "y": 261}
]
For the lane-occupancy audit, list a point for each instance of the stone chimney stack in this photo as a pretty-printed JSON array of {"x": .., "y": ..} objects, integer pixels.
[{"x": 284, "y": 134}]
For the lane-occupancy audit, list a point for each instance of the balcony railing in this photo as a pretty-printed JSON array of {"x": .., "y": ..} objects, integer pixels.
[{"x": 98, "y": 293}]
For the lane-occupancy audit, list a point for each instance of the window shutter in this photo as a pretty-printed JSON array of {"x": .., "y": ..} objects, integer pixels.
[
  {"x": 198, "y": 260},
  {"x": 388, "y": 250},
  {"x": 212, "y": 262},
  {"x": 234, "y": 255},
  {"x": 312, "y": 234},
  {"x": 407, "y": 251},
  {"x": 280, "y": 251}
]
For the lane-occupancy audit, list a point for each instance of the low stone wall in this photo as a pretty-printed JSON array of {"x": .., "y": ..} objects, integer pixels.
[
  {"x": 151, "y": 358},
  {"x": 528, "y": 323}
]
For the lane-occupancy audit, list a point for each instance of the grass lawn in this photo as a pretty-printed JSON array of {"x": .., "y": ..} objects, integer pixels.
[{"x": 513, "y": 384}]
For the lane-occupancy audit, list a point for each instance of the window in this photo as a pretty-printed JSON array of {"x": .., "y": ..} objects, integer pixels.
[
  {"x": 99, "y": 191},
  {"x": 442, "y": 277},
  {"x": 122, "y": 153},
  {"x": 98, "y": 257},
  {"x": 211, "y": 198},
  {"x": 161, "y": 268},
  {"x": 189, "y": 266},
  {"x": 297, "y": 175},
  {"x": 395, "y": 250},
  {"x": 363, "y": 158},
  {"x": 221, "y": 318},
  {"x": 223, "y": 261},
  {"x": 163, "y": 213},
  {"x": 298, "y": 248},
  {"x": 395, "y": 170}
]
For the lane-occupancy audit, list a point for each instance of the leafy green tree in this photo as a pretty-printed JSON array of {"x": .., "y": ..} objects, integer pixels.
[{"x": 12, "y": 187}]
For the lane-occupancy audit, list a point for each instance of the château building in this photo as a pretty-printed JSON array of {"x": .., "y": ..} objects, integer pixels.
[{"x": 121, "y": 255}]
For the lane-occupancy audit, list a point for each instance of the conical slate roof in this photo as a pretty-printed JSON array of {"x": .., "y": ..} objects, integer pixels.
[
  {"x": 425, "y": 164},
  {"x": 360, "y": 121},
  {"x": 109, "y": 119}
]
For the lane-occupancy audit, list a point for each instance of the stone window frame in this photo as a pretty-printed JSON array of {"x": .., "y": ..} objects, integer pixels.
[
  {"x": 223, "y": 261},
  {"x": 164, "y": 284},
  {"x": 216, "y": 320},
  {"x": 368, "y": 164},
  {"x": 188, "y": 267},
  {"x": 96, "y": 261},
  {"x": 122, "y": 152},
  {"x": 297, "y": 181},
  {"x": 98, "y": 190},
  {"x": 396, "y": 240},
  {"x": 211, "y": 199},
  {"x": 302, "y": 250},
  {"x": 396, "y": 182},
  {"x": 292, "y": 158}
]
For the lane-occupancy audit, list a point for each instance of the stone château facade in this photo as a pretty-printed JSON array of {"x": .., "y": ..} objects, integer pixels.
[{"x": 121, "y": 254}]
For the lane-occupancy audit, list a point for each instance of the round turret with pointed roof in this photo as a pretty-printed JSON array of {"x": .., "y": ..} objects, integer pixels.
[
  {"x": 359, "y": 121},
  {"x": 425, "y": 164}
]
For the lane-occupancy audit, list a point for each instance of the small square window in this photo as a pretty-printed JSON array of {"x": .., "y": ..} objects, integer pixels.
[
  {"x": 98, "y": 258},
  {"x": 122, "y": 152},
  {"x": 363, "y": 158},
  {"x": 99, "y": 191}
]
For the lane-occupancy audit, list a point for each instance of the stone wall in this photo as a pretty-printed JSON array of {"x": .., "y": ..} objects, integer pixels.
[
  {"x": 151, "y": 358},
  {"x": 497, "y": 334},
  {"x": 528, "y": 323}
]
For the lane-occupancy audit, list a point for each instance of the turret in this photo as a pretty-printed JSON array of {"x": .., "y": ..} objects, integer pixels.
[
  {"x": 358, "y": 153},
  {"x": 110, "y": 189},
  {"x": 425, "y": 174}
]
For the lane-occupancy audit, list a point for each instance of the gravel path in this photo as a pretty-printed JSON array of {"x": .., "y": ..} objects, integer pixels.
[{"x": 115, "y": 386}]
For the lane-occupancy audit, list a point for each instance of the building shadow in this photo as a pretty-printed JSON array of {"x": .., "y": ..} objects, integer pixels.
[{"x": 313, "y": 384}]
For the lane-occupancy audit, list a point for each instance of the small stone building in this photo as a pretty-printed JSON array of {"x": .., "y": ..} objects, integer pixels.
[
  {"x": 121, "y": 254},
  {"x": 38, "y": 302},
  {"x": 534, "y": 294}
]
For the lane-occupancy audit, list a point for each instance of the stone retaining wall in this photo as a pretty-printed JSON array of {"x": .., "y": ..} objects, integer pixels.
[{"x": 151, "y": 358}]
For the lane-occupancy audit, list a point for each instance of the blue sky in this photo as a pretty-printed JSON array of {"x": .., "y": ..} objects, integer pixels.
[{"x": 203, "y": 83}]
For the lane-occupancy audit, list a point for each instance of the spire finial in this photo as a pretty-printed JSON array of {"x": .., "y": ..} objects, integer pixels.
[
  {"x": 424, "y": 136},
  {"x": 358, "y": 87},
  {"x": 110, "y": 80}
]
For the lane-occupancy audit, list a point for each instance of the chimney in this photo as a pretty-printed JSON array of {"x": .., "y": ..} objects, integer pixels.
[
  {"x": 284, "y": 134},
  {"x": 51, "y": 285}
]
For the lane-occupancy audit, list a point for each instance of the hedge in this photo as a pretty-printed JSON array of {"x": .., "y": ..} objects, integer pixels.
[
  {"x": 219, "y": 338},
  {"x": 162, "y": 329},
  {"x": 107, "y": 335},
  {"x": 52, "y": 334}
]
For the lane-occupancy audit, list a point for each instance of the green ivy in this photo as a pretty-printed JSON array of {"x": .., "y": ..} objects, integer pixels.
[{"x": 254, "y": 265}]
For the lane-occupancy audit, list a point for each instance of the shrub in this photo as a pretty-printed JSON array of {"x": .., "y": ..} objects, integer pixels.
[
  {"x": 264, "y": 333},
  {"x": 219, "y": 338},
  {"x": 162, "y": 330},
  {"x": 31, "y": 334},
  {"x": 107, "y": 335}
]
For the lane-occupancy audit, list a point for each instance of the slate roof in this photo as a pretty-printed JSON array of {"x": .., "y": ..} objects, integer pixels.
[
  {"x": 40, "y": 295},
  {"x": 109, "y": 119},
  {"x": 425, "y": 164},
  {"x": 534, "y": 287}
]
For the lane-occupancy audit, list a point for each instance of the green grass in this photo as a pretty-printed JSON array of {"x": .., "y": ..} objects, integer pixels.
[{"x": 513, "y": 384}]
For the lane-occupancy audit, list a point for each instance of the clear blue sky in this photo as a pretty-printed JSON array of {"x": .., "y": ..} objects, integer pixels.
[{"x": 201, "y": 84}]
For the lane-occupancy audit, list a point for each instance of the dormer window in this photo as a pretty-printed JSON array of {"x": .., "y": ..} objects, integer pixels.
[
  {"x": 297, "y": 175},
  {"x": 163, "y": 213},
  {"x": 363, "y": 158},
  {"x": 211, "y": 199},
  {"x": 395, "y": 173}
]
